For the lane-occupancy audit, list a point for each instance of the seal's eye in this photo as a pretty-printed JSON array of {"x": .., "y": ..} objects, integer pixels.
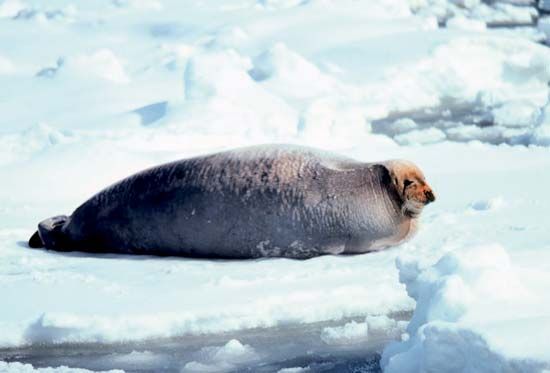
[{"x": 407, "y": 183}]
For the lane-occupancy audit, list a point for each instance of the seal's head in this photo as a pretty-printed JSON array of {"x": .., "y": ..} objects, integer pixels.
[{"x": 411, "y": 186}]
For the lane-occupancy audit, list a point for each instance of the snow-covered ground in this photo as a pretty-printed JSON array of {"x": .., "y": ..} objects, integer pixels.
[{"x": 94, "y": 91}]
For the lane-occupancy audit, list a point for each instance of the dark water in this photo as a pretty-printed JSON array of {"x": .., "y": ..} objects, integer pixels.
[{"x": 275, "y": 348}]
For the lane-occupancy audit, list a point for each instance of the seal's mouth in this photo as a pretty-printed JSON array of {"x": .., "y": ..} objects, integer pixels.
[{"x": 412, "y": 209}]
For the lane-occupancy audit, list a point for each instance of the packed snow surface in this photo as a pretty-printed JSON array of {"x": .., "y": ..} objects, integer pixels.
[{"x": 94, "y": 91}]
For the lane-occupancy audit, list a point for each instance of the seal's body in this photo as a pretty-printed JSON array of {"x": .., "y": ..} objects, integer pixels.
[{"x": 265, "y": 201}]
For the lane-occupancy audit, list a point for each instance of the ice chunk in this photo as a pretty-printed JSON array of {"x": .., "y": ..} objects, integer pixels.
[
  {"x": 227, "y": 357},
  {"x": 352, "y": 332},
  {"x": 516, "y": 114}
]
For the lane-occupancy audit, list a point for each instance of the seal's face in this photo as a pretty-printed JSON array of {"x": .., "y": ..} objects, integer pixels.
[{"x": 411, "y": 186}]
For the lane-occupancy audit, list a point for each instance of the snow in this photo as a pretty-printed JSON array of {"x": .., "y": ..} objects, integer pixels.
[
  {"x": 10, "y": 8},
  {"x": 419, "y": 137},
  {"x": 95, "y": 91},
  {"x": 212, "y": 302},
  {"x": 103, "y": 64},
  {"x": 6, "y": 67},
  {"x": 489, "y": 204},
  {"x": 27, "y": 368},
  {"x": 463, "y": 23},
  {"x": 466, "y": 316}
]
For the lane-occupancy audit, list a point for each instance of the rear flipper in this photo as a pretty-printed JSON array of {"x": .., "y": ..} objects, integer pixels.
[
  {"x": 35, "y": 241},
  {"x": 50, "y": 234}
]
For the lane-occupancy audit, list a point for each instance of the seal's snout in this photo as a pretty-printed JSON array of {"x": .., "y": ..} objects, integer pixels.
[{"x": 430, "y": 197}]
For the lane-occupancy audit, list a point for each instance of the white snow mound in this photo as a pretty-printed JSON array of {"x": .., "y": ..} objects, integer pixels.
[{"x": 469, "y": 307}]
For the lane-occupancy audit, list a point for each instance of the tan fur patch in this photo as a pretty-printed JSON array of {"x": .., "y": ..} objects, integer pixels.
[{"x": 411, "y": 186}]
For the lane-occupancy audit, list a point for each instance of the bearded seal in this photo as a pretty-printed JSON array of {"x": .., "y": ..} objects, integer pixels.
[{"x": 263, "y": 201}]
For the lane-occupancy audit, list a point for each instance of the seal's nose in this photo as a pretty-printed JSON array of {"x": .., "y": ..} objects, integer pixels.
[{"x": 430, "y": 197}]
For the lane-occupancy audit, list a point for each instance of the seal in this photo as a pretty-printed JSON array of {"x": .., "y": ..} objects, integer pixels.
[{"x": 262, "y": 201}]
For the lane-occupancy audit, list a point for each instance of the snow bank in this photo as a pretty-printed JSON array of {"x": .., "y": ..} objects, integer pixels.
[
  {"x": 27, "y": 368},
  {"x": 470, "y": 305}
]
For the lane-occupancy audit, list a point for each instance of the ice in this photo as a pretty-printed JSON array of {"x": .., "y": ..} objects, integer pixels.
[
  {"x": 6, "y": 66},
  {"x": 463, "y": 23},
  {"x": 95, "y": 91},
  {"x": 513, "y": 14},
  {"x": 384, "y": 324},
  {"x": 544, "y": 25},
  {"x": 494, "y": 13},
  {"x": 102, "y": 63},
  {"x": 418, "y": 137},
  {"x": 516, "y": 114},
  {"x": 149, "y": 5},
  {"x": 290, "y": 74},
  {"x": 281, "y": 4},
  {"x": 224, "y": 358},
  {"x": 27, "y": 368},
  {"x": 541, "y": 134},
  {"x": 488, "y": 205},
  {"x": 218, "y": 90},
  {"x": 400, "y": 126},
  {"x": 10, "y": 8},
  {"x": 351, "y": 332},
  {"x": 356, "y": 333},
  {"x": 294, "y": 370}
]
